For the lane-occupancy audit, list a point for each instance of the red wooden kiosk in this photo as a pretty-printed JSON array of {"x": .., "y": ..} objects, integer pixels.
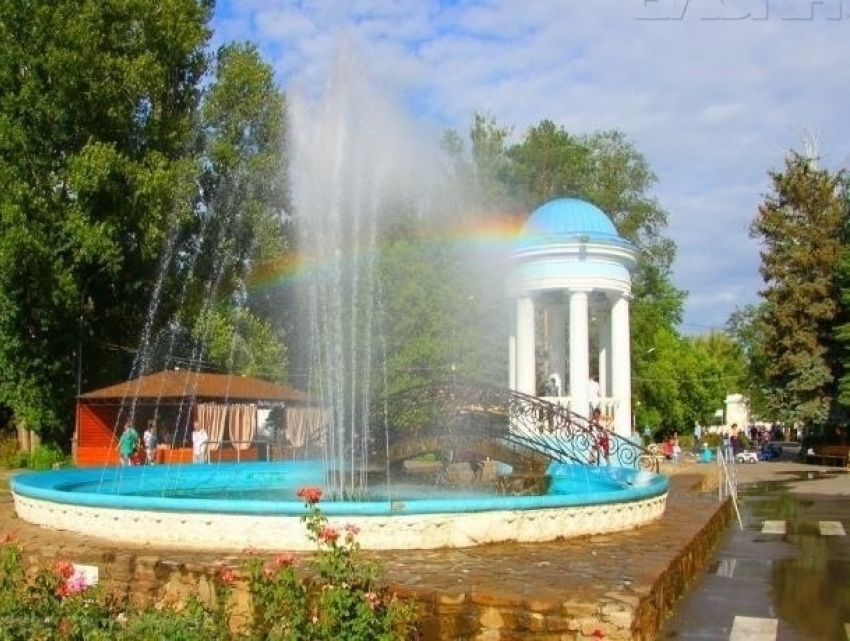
[{"x": 171, "y": 398}]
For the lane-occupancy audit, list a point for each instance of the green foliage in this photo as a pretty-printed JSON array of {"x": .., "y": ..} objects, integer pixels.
[
  {"x": 341, "y": 600},
  {"x": 239, "y": 342},
  {"x": 800, "y": 225},
  {"x": 744, "y": 325},
  {"x": 243, "y": 176},
  {"x": 549, "y": 163},
  {"x": 483, "y": 174},
  {"x": 121, "y": 160},
  {"x": 95, "y": 115},
  {"x": 841, "y": 333},
  {"x": 684, "y": 381},
  {"x": 191, "y": 621},
  {"x": 11, "y": 456},
  {"x": 46, "y": 457},
  {"x": 52, "y": 604}
]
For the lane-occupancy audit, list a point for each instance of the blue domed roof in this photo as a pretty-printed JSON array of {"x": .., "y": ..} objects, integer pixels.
[{"x": 569, "y": 216}]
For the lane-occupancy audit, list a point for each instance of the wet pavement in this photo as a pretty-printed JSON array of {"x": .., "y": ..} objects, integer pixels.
[{"x": 786, "y": 574}]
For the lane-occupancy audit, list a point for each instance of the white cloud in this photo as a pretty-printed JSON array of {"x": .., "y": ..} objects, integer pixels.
[{"x": 713, "y": 104}]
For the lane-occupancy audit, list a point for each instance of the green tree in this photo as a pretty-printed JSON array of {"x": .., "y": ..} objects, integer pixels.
[
  {"x": 744, "y": 325},
  {"x": 716, "y": 369},
  {"x": 549, "y": 163},
  {"x": 237, "y": 341},
  {"x": 841, "y": 347},
  {"x": 482, "y": 168},
  {"x": 800, "y": 226},
  {"x": 238, "y": 225},
  {"x": 96, "y": 104}
]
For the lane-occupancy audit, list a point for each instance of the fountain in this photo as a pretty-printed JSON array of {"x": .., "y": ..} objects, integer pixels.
[
  {"x": 235, "y": 506},
  {"x": 355, "y": 159}
]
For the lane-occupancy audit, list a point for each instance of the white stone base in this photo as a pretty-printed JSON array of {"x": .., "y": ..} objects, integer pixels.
[{"x": 236, "y": 532}]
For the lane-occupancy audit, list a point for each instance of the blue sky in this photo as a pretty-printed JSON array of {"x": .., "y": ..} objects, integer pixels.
[{"x": 713, "y": 92}]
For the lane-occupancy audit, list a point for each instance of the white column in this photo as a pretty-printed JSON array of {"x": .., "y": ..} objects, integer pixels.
[
  {"x": 579, "y": 347},
  {"x": 621, "y": 365},
  {"x": 557, "y": 348},
  {"x": 604, "y": 356},
  {"x": 512, "y": 354},
  {"x": 525, "y": 364}
]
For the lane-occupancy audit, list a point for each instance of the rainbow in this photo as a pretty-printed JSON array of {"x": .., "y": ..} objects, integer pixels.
[{"x": 491, "y": 232}]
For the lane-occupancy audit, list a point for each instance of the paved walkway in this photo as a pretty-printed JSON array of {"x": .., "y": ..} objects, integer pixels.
[{"x": 783, "y": 576}]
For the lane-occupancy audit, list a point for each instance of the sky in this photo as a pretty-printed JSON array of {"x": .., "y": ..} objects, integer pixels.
[{"x": 714, "y": 93}]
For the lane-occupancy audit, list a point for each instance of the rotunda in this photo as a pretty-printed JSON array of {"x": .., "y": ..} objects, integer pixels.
[{"x": 571, "y": 273}]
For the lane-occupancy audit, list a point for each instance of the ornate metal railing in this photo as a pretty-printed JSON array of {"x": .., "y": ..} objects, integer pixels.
[
  {"x": 569, "y": 437},
  {"x": 465, "y": 416}
]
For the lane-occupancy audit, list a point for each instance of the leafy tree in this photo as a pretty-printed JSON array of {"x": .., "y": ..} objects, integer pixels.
[
  {"x": 655, "y": 385},
  {"x": 744, "y": 325},
  {"x": 800, "y": 226},
  {"x": 716, "y": 368},
  {"x": 482, "y": 174},
  {"x": 96, "y": 103},
  {"x": 238, "y": 222},
  {"x": 841, "y": 337},
  {"x": 237, "y": 341},
  {"x": 549, "y": 163}
]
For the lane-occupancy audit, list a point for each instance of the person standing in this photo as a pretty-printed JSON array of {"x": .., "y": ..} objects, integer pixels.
[
  {"x": 601, "y": 447},
  {"x": 149, "y": 439},
  {"x": 128, "y": 444},
  {"x": 200, "y": 440},
  {"x": 593, "y": 393}
]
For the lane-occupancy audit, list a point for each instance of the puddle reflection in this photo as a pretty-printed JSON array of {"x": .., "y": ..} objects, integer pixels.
[
  {"x": 812, "y": 593},
  {"x": 811, "y": 590}
]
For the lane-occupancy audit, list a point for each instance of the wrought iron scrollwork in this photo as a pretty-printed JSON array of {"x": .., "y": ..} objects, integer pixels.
[{"x": 463, "y": 414}]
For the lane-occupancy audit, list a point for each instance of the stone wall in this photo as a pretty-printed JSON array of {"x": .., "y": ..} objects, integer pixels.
[{"x": 472, "y": 614}]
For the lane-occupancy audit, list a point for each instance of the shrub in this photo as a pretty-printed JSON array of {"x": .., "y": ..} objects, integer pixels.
[
  {"x": 10, "y": 454},
  {"x": 54, "y": 604},
  {"x": 340, "y": 601},
  {"x": 46, "y": 457}
]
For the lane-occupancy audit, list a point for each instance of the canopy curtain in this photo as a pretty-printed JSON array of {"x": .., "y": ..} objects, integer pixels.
[
  {"x": 212, "y": 417},
  {"x": 305, "y": 424},
  {"x": 242, "y": 424}
]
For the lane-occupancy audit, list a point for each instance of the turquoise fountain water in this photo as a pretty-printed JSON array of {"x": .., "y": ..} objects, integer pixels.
[{"x": 235, "y": 506}]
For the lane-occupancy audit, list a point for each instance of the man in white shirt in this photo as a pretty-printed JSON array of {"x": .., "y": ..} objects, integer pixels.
[{"x": 199, "y": 444}]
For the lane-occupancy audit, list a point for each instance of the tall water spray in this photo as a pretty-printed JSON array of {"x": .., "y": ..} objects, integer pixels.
[{"x": 356, "y": 159}]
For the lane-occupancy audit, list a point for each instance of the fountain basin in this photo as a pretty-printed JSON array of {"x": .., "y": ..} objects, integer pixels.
[{"x": 234, "y": 506}]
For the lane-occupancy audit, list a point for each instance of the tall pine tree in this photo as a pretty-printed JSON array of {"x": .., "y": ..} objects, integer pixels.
[{"x": 800, "y": 226}]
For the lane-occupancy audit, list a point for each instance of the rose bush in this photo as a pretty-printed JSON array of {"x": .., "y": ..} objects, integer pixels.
[{"x": 338, "y": 598}]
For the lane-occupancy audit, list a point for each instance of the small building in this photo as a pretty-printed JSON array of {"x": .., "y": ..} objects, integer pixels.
[{"x": 246, "y": 418}]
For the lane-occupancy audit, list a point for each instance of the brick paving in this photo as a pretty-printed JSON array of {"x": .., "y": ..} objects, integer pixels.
[{"x": 620, "y": 586}]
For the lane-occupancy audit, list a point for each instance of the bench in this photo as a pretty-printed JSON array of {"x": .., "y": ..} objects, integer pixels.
[{"x": 830, "y": 455}]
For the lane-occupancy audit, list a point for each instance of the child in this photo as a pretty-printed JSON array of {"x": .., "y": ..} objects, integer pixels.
[{"x": 149, "y": 438}]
